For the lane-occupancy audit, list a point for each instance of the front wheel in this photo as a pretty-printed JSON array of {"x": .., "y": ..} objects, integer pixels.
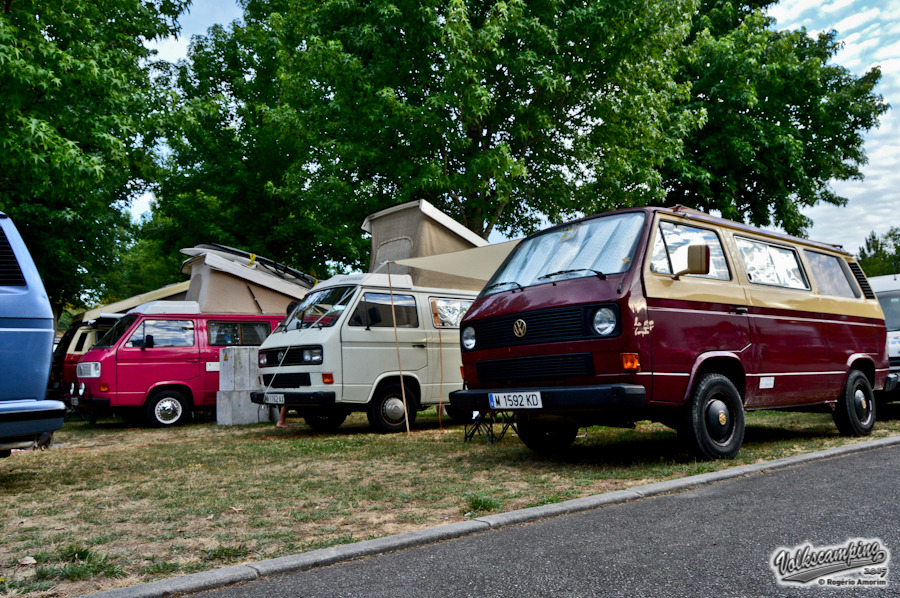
[
  {"x": 713, "y": 424},
  {"x": 325, "y": 420},
  {"x": 854, "y": 414},
  {"x": 546, "y": 438},
  {"x": 386, "y": 413},
  {"x": 166, "y": 409}
]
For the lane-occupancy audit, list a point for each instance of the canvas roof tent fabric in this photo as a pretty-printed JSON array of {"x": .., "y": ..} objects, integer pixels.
[
  {"x": 172, "y": 292},
  {"x": 222, "y": 285},
  {"x": 478, "y": 263},
  {"x": 416, "y": 229}
]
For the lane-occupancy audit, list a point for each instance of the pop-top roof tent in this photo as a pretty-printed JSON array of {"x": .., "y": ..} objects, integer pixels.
[
  {"x": 172, "y": 292},
  {"x": 416, "y": 229},
  {"x": 227, "y": 280}
]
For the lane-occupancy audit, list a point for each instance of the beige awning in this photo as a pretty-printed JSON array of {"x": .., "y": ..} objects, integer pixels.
[{"x": 479, "y": 262}]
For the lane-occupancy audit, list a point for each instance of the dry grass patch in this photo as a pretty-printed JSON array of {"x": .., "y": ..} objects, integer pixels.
[{"x": 111, "y": 506}]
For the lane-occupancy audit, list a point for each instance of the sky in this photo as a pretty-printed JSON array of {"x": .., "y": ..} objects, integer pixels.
[{"x": 870, "y": 31}]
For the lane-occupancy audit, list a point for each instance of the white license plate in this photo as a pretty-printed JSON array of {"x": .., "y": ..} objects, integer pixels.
[
  {"x": 274, "y": 399},
  {"x": 74, "y": 401},
  {"x": 515, "y": 400}
]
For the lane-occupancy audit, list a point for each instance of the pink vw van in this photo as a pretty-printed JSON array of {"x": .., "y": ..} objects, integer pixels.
[{"x": 161, "y": 361}]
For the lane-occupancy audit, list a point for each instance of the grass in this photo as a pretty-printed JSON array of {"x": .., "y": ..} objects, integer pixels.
[{"x": 112, "y": 506}]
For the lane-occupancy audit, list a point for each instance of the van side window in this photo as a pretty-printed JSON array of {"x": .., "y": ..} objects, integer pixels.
[
  {"x": 671, "y": 248},
  {"x": 166, "y": 333},
  {"x": 374, "y": 310},
  {"x": 833, "y": 276},
  {"x": 248, "y": 334},
  {"x": 79, "y": 344},
  {"x": 448, "y": 313},
  {"x": 770, "y": 264}
]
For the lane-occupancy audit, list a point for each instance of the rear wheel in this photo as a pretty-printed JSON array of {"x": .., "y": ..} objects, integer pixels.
[
  {"x": 546, "y": 438},
  {"x": 386, "y": 413},
  {"x": 854, "y": 414},
  {"x": 713, "y": 424},
  {"x": 166, "y": 409},
  {"x": 325, "y": 420}
]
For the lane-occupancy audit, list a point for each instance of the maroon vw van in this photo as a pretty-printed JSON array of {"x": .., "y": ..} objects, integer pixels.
[{"x": 676, "y": 316}]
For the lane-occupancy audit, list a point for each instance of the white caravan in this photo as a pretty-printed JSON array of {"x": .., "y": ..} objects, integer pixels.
[{"x": 339, "y": 351}]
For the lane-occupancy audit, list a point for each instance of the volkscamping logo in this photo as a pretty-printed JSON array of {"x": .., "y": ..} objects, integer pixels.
[{"x": 857, "y": 562}]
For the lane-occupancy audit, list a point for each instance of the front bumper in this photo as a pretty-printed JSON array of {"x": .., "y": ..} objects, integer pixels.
[
  {"x": 607, "y": 397},
  {"x": 294, "y": 399}
]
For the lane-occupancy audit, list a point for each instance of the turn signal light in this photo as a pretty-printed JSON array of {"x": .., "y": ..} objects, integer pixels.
[
  {"x": 327, "y": 378},
  {"x": 631, "y": 362},
  {"x": 104, "y": 387}
]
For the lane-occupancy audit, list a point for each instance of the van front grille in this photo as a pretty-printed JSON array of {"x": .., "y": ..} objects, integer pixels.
[
  {"x": 10, "y": 273},
  {"x": 541, "y": 326},
  {"x": 545, "y": 367},
  {"x": 282, "y": 356},
  {"x": 295, "y": 380}
]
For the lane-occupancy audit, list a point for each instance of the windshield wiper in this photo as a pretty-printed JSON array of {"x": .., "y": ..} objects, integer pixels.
[
  {"x": 498, "y": 284},
  {"x": 599, "y": 274}
]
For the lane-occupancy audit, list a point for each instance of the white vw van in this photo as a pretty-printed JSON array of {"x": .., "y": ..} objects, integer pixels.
[{"x": 339, "y": 351}]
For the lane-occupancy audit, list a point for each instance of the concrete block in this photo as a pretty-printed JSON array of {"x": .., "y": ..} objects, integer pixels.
[{"x": 238, "y": 377}]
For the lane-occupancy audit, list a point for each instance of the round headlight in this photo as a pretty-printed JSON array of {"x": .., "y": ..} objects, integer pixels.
[
  {"x": 604, "y": 321},
  {"x": 468, "y": 338}
]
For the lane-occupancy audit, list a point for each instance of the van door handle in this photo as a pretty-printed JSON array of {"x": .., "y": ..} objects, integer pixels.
[
  {"x": 419, "y": 345},
  {"x": 739, "y": 310}
]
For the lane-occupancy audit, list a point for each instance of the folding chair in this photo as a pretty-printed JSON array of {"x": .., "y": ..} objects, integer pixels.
[{"x": 483, "y": 423}]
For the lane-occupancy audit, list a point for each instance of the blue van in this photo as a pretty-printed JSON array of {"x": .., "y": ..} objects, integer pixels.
[{"x": 26, "y": 347}]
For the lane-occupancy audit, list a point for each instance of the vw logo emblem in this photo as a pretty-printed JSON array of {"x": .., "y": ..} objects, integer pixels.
[
  {"x": 280, "y": 356},
  {"x": 519, "y": 328}
]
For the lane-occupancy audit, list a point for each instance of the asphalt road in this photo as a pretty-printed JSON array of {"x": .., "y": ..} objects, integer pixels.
[{"x": 712, "y": 540}]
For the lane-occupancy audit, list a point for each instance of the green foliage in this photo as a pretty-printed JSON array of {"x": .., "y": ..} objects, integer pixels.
[
  {"x": 74, "y": 87},
  {"x": 782, "y": 121},
  {"x": 881, "y": 254},
  {"x": 496, "y": 112}
]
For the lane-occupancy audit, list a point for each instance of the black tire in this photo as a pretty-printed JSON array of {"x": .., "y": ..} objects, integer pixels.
[
  {"x": 325, "y": 420},
  {"x": 165, "y": 409},
  {"x": 713, "y": 424},
  {"x": 458, "y": 415},
  {"x": 854, "y": 414},
  {"x": 546, "y": 438},
  {"x": 385, "y": 410}
]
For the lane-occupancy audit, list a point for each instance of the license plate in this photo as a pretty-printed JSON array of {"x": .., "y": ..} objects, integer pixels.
[
  {"x": 515, "y": 400},
  {"x": 74, "y": 401},
  {"x": 274, "y": 399}
]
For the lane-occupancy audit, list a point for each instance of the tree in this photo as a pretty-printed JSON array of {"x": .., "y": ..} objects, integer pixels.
[
  {"x": 74, "y": 86},
  {"x": 225, "y": 158},
  {"x": 881, "y": 255},
  {"x": 782, "y": 121},
  {"x": 496, "y": 112}
]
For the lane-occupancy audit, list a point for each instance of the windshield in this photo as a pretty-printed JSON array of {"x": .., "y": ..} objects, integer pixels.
[
  {"x": 596, "y": 247},
  {"x": 319, "y": 309},
  {"x": 890, "y": 305},
  {"x": 115, "y": 333}
]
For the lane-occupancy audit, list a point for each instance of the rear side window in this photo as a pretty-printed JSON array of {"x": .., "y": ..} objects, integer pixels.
[
  {"x": 448, "y": 313},
  {"x": 832, "y": 275},
  {"x": 671, "y": 249},
  {"x": 770, "y": 264},
  {"x": 10, "y": 272},
  {"x": 229, "y": 334},
  {"x": 374, "y": 311},
  {"x": 166, "y": 333}
]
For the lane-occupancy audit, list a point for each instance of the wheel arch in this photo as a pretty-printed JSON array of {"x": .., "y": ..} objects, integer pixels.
[
  {"x": 727, "y": 364},
  {"x": 182, "y": 389},
  {"x": 410, "y": 381},
  {"x": 863, "y": 363}
]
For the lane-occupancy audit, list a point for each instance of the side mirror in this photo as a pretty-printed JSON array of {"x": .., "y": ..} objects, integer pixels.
[
  {"x": 291, "y": 307},
  {"x": 698, "y": 261},
  {"x": 148, "y": 342}
]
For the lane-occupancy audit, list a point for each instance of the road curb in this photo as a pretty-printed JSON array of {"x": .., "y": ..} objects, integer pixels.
[{"x": 218, "y": 578}]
